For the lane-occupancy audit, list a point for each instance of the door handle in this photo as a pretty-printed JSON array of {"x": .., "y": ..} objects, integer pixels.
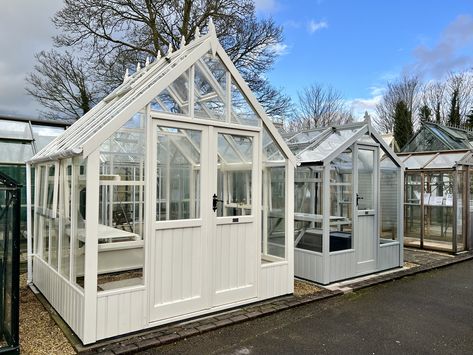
[
  {"x": 358, "y": 198},
  {"x": 214, "y": 202}
]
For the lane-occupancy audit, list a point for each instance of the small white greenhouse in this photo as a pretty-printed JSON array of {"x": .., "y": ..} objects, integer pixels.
[
  {"x": 348, "y": 203},
  {"x": 156, "y": 205}
]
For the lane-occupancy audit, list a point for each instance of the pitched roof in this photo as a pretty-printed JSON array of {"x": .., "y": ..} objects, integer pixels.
[
  {"x": 436, "y": 137},
  {"x": 86, "y": 135},
  {"x": 322, "y": 145}
]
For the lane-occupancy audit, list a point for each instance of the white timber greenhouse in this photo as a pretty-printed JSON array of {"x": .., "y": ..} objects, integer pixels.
[
  {"x": 157, "y": 205},
  {"x": 348, "y": 203}
]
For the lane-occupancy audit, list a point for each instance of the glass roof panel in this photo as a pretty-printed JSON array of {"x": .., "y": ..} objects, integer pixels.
[
  {"x": 175, "y": 98},
  {"x": 44, "y": 134},
  {"x": 328, "y": 145},
  {"x": 417, "y": 161},
  {"x": 305, "y": 137},
  {"x": 124, "y": 95},
  {"x": 425, "y": 141},
  {"x": 447, "y": 160},
  {"x": 15, "y": 129}
]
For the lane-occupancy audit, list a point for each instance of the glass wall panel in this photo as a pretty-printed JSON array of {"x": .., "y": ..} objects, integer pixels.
[
  {"x": 438, "y": 210},
  {"x": 42, "y": 216},
  {"x": 78, "y": 215},
  {"x": 234, "y": 175},
  {"x": 210, "y": 92},
  {"x": 469, "y": 209},
  {"x": 64, "y": 214},
  {"x": 389, "y": 199},
  {"x": 242, "y": 111},
  {"x": 13, "y": 152},
  {"x": 460, "y": 214},
  {"x": 50, "y": 188},
  {"x": 121, "y": 202},
  {"x": 273, "y": 199},
  {"x": 308, "y": 190},
  {"x": 341, "y": 202},
  {"x": 412, "y": 209},
  {"x": 366, "y": 184},
  {"x": 178, "y": 174}
]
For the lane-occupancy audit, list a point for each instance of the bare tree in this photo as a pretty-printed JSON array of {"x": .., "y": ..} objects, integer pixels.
[
  {"x": 62, "y": 85},
  {"x": 460, "y": 85},
  {"x": 433, "y": 96},
  {"x": 110, "y": 33},
  {"x": 405, "y": 89},
  {"x": 320, "y": 106}
]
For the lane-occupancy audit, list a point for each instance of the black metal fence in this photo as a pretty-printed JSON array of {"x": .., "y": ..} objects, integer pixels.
[{"x": 10, "y": 208}]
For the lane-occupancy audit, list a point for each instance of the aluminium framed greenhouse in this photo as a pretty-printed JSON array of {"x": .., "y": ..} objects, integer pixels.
[
  {"x": 20, "y": 139},
  {"x": 348, "y": 203},
  {"x": 438, "y": 200},
  {"x": 156, "y": 205}
]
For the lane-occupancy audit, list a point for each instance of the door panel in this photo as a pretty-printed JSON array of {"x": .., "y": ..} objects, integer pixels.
[
  {"x": 235, "y": 250},
  {"x": 178, "y": 249},
  {"x": 366, "y": 235}
]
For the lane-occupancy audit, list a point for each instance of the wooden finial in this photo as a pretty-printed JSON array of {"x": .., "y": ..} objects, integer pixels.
[
  {"x": 125, "y": 78},
  {"x": 147, "y": 61},
  {"x": 138, "y": 67},
  {"x": 183, "y": 42},
  {"x": 170, "y": 49},
  {"x": 159, "y": 55},
  {"x": 197, "y": 33},
  {"x": 211, "y": 26}
]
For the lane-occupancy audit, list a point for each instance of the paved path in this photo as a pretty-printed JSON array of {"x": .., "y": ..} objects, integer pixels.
[{"x": 422, "y": 314}]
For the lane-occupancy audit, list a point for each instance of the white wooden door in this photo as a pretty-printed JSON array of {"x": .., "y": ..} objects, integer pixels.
[
  {"x": 178, "y": 252},
  {"x": 366, "y": 236},
  {"x": 235, "y": 200},
  {"x": 198, "y": 257}
]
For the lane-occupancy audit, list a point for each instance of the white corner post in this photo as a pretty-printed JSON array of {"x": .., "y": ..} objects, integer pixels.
[
  {"x": 29, "y": 234},
  {"x": 91, "y": 248},
  {"x": 326, "y": 223},
  {"x": 290, "y": 221},
  {"x": 400, "y": 221}
]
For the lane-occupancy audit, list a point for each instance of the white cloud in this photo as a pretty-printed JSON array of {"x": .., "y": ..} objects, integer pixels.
[
  {"x": 26, "y": 28},
  {"x": 358, "y": 106},
  {"x": 280, "y": 49},
  {"x": 377, "y": 90},
  {"x": 451, "y": 52},
  {"x": 266, "y": 6},
  {"x": 314, "y": 26}
]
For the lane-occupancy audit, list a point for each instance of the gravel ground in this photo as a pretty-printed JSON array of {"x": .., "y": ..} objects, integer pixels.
[
  {"x": 304, "y": 288},
  {"x": 39, "y": 334}
]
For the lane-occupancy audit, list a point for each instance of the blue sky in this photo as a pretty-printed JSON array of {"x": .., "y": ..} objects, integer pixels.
[{"x": 357, "y": 46}]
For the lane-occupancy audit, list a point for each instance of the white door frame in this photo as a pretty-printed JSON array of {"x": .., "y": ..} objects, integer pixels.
[{"x": 374, "y": 211}]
